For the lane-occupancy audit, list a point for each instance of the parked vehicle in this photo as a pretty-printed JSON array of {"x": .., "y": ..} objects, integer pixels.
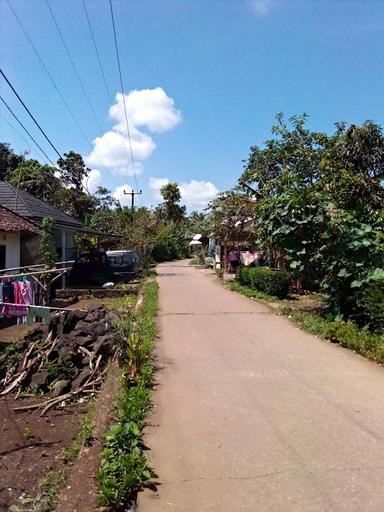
[
  {"x": 96, "y": 267},
  {"x": 123, "y": 265}
]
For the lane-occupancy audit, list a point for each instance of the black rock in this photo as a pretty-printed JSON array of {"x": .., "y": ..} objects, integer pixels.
[
  {"x": 83, "y": 328},
  {"x": 81, "y": 378},
  {"x": 60, "y": 387},
  {"x": 83, "y": 340},
  {"x": 39, "y": 379}
]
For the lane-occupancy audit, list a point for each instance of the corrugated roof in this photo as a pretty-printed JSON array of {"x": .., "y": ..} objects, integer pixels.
[
  {"x": 28, "y": 206},
  {"x": 10, "y": 222}
]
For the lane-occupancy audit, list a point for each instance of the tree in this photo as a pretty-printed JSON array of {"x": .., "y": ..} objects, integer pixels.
[
  {"x": 8, "y": 161},
  {"x": 73, "y": 171},
  {"x": 171, "y": 208},
  {"x": 36, "y": 179}
]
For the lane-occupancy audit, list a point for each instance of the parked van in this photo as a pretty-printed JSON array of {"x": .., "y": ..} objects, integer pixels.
[{"x": 123, "y": 265}]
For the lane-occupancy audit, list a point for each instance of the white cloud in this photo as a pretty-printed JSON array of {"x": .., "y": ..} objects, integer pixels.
[
  {"x": 155, "y": 184},
  {"x": 92, "y": 181},
  {"x": 149, "y": 109},
  {"x": 261, "y": 7},
  {"x": 112, "y": 150},
  {"x": 195, "y": 194},
  {"x": 125, "y": 199}
]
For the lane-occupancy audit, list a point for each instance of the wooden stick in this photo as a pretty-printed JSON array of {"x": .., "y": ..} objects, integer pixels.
[{"x": 38, "y": 273}]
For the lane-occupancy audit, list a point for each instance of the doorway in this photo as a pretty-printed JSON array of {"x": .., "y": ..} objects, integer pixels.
[{"x": 2, "y": 256}]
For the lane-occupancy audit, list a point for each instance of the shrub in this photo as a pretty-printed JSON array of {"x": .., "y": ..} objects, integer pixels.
[
  {"x": 370, "y": 306},
  {"x": 272, "y": 282}
]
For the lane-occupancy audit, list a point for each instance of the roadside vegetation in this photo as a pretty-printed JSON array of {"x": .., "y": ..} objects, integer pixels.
[
  {"x": 125, "y": 468},
  {"x": 317, "y": 202},
  {"x": 157, "y": 234}
]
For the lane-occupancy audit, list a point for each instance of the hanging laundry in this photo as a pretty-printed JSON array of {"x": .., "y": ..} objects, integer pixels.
[{"x": 38, "y": 311}]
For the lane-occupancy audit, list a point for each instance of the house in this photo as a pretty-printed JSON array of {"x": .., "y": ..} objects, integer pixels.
[
  {"x": 12, "y": 228},
  {"x": 21, "y": 241}
]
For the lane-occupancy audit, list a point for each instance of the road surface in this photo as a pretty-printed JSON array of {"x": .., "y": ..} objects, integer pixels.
[{"x": 252, "y": 414}]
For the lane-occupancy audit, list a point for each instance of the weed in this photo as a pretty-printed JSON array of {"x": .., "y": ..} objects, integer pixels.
[
  {"x": 49, "y": 490},
  {"x": 69, "y": 453},
  {"x": 124, "y": 468},
  {"x": 28, "y": 433},
  {"x": 86, "y": 433}
]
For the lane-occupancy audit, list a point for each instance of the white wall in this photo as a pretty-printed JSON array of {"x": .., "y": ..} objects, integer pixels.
[{"x": 12, "y": 251}]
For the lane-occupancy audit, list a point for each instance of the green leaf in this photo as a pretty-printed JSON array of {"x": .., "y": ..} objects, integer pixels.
[{"x": 343, "y": 273}]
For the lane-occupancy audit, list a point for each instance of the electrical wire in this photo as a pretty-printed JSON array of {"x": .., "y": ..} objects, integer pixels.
[
  {"x": 46, "y": 160},
  {"x": 48, "y": 73},
  {"x": 122, "y": 92},
  {"x": 97, "y": 53},
  {"x": 30, "y": 114},
  {"x": 16, "y": 131},
  {"x": 25, "y": 129},
  {"x": 74, "y": 66}
]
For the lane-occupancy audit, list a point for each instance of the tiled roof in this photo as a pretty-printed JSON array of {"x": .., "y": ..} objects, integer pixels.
[
  {"x": 10, "y": 222},
  {"x": 28, "y": 206}
]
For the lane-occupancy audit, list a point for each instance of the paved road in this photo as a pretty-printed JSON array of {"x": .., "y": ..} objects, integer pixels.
[{"x": 252, "y": 414}]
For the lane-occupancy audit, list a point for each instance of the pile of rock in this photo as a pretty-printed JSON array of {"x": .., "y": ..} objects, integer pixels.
[{"x": 68, "y": 355}]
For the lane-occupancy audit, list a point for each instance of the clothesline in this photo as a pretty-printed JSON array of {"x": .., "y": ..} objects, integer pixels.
[
  {"x": 40, "y": 307},
  {"x": 54, "y": 270}
]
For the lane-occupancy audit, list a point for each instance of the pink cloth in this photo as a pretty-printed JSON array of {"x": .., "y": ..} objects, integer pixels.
[{"x": 19, "y": 299}]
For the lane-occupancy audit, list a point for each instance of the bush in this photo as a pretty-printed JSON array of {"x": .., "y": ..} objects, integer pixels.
[
  {"x": 272, "y": 282},
  {"x": 370, "y": 306}
]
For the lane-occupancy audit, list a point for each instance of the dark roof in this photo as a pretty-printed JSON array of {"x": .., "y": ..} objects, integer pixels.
[
  {"x": 34, "y": 209},
  {"x": 11, "y": 222}
]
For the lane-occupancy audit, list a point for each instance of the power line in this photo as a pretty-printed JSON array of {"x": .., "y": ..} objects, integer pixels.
[
  {"x": 16, "y": 131},
  {"x": 122, "y": 92},
  {"x": 29, "y": 112},
  {"x": 97, "y": 53},
  {"x": 74, "y": 66},
  {"x": 48, "y": 73},
  {"x": 25, "y": 129}
]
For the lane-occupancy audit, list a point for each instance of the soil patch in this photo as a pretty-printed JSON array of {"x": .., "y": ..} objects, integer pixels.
[
  {"x": 29, "y": 444},
  {"x": 80, "y": 493}
]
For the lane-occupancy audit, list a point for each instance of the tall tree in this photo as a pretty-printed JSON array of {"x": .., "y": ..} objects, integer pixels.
[
  {"x": 171, "y": 208},
  {"x": 8, "y": 161},
  {"x": 73, "y": 171},
  {"x": 36, "y": 179}
]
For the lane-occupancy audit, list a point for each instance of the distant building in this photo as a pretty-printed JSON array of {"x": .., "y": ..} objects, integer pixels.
[{"x": 21, "y": 216}]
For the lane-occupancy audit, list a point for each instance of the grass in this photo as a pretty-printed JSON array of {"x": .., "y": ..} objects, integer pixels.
[
  {"x": 346, "y": 333},
  {"x": 49, "y": 490},
  {"x": 249, "y": 292},
  {"x": 124, "y": 468}
]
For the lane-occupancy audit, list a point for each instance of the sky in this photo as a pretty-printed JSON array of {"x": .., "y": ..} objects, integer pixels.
[{"x": 203, "y": 81}]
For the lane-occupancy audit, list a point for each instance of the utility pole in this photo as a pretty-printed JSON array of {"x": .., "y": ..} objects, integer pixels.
[{"x": 133, "y": 194}]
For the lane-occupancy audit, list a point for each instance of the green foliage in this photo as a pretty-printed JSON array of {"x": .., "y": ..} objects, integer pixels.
[
  {"x": 276, "y": 283},
  {"x": 249, "y": 292},
  {"x": 28, "y": 433},
  {"x": 170, "y": 244},
  {"x": 47, "y": 248},
  {"x": 319, "y": 206},
  {"x": 347, "y": 334},
  {"x": 36, "y": 179},
  {"x": 370, "y": 305},
  {"x": 124, "y": 468},
  {"x": 49, "y": 490},
  {"x": 171, "y": 209},
  {"x": 8, "y": 161}
]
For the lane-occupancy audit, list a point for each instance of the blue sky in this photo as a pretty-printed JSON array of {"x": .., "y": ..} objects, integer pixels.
[{"x": 203, "y": 81}]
